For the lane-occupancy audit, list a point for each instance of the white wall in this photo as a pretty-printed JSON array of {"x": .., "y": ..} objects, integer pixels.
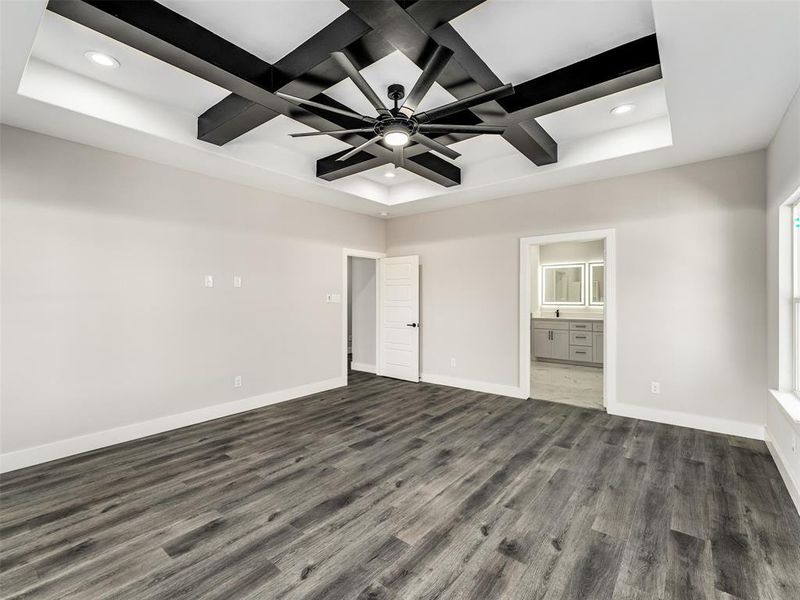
[
  {"x": 690, "y": 294},
  {"x": 363, "y": 317},
  {"x": 105, "y": 319},
  {"x": 566, "y": 252},
  {"x": 783, "y": 408}
]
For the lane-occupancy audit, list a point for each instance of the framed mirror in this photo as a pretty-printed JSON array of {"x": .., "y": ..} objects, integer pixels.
[
  {"x": 563, "y": 284},
  {"x": 597, "y": 284}
]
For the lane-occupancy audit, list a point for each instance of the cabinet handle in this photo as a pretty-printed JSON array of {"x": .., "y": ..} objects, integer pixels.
[{"x": 580, "y": 337}]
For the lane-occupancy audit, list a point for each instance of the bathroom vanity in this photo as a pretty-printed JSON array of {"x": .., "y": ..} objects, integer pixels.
[{"x": 568, "y": 340}]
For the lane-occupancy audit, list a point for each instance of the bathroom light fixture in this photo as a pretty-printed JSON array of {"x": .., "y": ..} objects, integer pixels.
[
  {"x": 383, "y": 213},
  {"x": 103, "y": 60},
  {"x": 622, "y": 109},
  {"x": 389, "y": 174}
]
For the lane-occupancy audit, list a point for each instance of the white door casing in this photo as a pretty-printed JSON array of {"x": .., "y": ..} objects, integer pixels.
[{"x": 399, "y": 318}]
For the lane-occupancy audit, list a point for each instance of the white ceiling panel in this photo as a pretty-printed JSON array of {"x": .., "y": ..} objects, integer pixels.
[
  {"x": 269, "y": 29},
  {"x": 649, "y": 102},
  {"x": 64, "y": 43},
  {"x": 522, "y": 39}
]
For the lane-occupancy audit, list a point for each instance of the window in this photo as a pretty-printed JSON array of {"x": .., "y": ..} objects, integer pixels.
[{"x": 796, "y": 292}]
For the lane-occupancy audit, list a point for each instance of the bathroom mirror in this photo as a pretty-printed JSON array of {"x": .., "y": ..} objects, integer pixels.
[
  {"x": 597, "y": 284},
  {"x": 563, "y": 284}
]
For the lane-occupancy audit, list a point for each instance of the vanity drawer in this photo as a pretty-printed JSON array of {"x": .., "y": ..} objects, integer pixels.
[
  {"x": 550, "y": 325},
  {"x": 581, "y": 353},
  {"x": 597, "y": 326},
  {"x": 580, "y": 338},
  {"x": 580, "y": 326}
]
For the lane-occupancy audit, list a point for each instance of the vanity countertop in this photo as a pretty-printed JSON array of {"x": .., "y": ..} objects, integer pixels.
[{"x": 598, "y": 319}]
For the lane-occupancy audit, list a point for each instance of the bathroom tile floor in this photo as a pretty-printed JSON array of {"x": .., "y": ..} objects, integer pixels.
[{"x": 568, "y": 384}]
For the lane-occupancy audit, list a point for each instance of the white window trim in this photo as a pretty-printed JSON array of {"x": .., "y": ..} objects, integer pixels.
[{"x": 795, "y": 224}]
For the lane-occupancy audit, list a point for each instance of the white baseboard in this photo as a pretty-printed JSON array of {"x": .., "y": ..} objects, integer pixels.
[
  {"x": 783, "y": 467},
  {"x": 471, "y": 384},
  {"x": 27, "y": 457},
  {"x": 672, "y": 417},
  {"x": 366, "y": 367}
]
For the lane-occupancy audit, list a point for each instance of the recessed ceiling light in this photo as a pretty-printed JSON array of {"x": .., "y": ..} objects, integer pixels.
[
  {"x": 104, "y": 60},
  {"x": 389, "y": 174},
  {"x": 622, "y": 109}
]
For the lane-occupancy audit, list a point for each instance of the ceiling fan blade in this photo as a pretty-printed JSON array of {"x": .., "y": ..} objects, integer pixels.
[
  {"x": 358, "y": 149},
  {"x": 399, "y": 160},
  {"x": 435, "y": 65},
  {"x": 361, "y": 83},
  {"x": 464, "y": 103},
  {"x": 434, "y": 145},
  {"x": 338, "y": 111},
  {"x": 477, "y": 129},
  {"x": 333, "y": 132}
]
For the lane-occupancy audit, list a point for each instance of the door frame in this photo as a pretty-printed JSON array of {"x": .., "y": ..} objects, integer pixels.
[
  {"x": 610, "y": 312},
  {"x": 347, "y": 253}
]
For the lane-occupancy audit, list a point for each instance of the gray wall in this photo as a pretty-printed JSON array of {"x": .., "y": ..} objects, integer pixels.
[
  {"x": 363, "y": 317},
  {"x": 690, "y": 282},
  {"x": 105, "y": 319}
]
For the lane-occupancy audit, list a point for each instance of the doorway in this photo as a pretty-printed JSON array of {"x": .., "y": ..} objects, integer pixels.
[
  {"x": 567, "y": 318},
  {"x": 360, "y": 311},
  {"x": 380, "y": 315}
]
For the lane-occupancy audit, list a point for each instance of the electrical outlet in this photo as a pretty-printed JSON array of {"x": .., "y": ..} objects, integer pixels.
[
  {"x": 237, "y": 281},
  {"x": 452, "y": 362},
  {"x": 655, "y": 387},
  {"x": 333, "y": 298},
  {"x": 209, "y": 281},
  {"x": 237, "y": 381}
]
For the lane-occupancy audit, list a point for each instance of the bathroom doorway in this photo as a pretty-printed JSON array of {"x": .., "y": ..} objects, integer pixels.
[{"x": 564, "y": 329}]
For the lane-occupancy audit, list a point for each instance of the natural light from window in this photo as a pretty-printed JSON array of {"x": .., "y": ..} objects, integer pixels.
[{"x": 796, "y": 292}]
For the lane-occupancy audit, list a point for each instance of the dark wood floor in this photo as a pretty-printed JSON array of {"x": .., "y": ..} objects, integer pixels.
[{"x": 387, "y": 489}]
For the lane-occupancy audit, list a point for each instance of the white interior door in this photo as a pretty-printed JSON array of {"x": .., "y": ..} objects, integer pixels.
[{"x": 399, "y": 318}]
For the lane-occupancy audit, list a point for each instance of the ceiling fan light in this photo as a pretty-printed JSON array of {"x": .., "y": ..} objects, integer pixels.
[{"x": 396, "y": 138}]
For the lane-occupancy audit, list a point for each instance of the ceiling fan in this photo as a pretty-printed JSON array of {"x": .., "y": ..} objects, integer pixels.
[{"x": 398, "y": 126}]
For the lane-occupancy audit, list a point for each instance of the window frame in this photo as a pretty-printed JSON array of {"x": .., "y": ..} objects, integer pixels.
[{"x": 795, "y": 261}]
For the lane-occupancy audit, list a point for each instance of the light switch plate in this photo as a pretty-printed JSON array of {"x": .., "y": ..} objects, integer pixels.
[
  {"x": 237, "y": 281},
  {"x": 237, "y": 381},
  {"x": 209, "y": 281}
]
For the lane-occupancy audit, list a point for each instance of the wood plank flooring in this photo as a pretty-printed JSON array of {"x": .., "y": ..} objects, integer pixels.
[{"x": 390, "y": 490}]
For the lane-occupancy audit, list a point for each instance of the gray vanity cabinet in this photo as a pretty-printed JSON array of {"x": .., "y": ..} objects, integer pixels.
[
  {"x": 569, "y": 340},
  {"x": 551, "y": 340}
]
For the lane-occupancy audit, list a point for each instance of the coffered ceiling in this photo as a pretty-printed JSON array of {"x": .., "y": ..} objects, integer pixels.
[{"x": 726, "y": 72}]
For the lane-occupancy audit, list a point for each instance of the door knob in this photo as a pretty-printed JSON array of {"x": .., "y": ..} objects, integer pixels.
[{"x": 411, "y": 324}]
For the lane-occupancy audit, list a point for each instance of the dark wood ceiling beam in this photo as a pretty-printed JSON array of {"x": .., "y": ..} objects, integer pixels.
[
  {"x": 308, "y": 70},
  {"x": 168, "y": 36},
  {"x": 629, "y": 65},
  {"x": 626, "y": 66},
  {"x": 424, "y": 164},
  {"x": 464, "y": 75},
  {"x": 305, "y": 72}
]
